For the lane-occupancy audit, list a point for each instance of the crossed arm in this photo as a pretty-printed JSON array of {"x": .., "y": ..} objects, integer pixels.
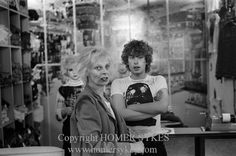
[{"x": 143, "y": 111}]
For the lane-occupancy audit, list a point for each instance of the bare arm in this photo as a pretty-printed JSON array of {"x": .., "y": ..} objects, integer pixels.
[
  {"x": 128, "y": 114},
  {"x": 160, "y": 104}
]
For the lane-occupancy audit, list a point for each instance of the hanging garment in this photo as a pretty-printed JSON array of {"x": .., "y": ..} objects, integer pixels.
[
  {"x": 213, "y": 27},
  {"x": 212, "y": 5},
  {"x": 226, "y": 64}
]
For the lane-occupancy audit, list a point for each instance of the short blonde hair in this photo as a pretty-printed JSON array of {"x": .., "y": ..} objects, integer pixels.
[{"x": 88, "y": 56}]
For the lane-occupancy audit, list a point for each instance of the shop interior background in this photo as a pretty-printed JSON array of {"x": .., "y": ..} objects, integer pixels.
[{"x": 176, "y": 29}]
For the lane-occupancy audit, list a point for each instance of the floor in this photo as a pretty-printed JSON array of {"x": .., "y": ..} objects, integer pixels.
[{"x": 184, "y": 146}]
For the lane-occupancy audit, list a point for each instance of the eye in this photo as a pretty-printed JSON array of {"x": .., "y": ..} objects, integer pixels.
[
  {"x": 131, "y": 57},
  {"x": 107, "y": 66},
  {"x": 98, "y": 67},
  {"x": 70, "y": 69}
]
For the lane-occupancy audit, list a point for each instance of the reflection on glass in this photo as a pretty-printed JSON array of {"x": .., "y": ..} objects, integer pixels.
[
  {"x": 142, "y": 20},
  {"x": 187, "y": 38},
  {"x": 178, "y": 44},
  {"x": 116, "y": 27},
  {"x": 187, "y": 57},
  {"x": 59, "y": 31}
]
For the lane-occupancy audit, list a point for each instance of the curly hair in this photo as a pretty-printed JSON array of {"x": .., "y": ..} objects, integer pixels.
[{"x": 137, "y": 48}]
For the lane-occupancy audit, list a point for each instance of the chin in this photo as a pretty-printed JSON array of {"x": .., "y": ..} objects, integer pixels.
[
  {"x": 137, "y": 72},
  {"x": 104, "y": 83},
  {"x": 75, "y": 78}
]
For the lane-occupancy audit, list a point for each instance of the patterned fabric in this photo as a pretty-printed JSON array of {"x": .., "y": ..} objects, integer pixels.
[
  {"x": 139, "y": 93},
  {"x": 66, "y": 97}
]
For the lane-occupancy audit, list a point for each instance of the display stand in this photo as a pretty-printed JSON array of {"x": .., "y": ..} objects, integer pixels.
[{"x": 15, "y": 73}]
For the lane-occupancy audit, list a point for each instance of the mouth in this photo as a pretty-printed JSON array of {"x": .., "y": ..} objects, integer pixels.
[
  {"x": 75, "y": 76},
  {"x": 105, "y": 79},
  {"x": 136, "y": 68}
]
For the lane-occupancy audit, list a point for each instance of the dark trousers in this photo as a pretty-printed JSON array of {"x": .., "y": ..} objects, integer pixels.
[
  {"x": 66, "y": 132},
  {"x": 152, "y": 147}
]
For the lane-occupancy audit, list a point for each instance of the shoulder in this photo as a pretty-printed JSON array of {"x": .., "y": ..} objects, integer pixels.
[
  {"x": 157, "y": 77},
  {"x": 158, "y": 81},
  {"x": 120, "y": 80},
  {"x": 120, "y": 83},
  {"x": 61, "y": 90},
  {"x": 85, "y": 95}
]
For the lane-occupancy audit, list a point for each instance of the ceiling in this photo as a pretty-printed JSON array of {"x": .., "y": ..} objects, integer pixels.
[{"x": 123, "y": 4}]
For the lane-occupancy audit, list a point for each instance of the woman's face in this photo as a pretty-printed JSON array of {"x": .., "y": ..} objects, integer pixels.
[{"x": 99, "y": 72}]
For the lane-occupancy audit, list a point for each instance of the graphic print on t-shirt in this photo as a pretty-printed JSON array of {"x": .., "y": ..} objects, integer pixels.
[{"x": 139, "y": 93}]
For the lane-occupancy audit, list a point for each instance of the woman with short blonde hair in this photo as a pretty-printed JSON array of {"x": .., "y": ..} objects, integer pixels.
[{"x": 98, "y": 127}]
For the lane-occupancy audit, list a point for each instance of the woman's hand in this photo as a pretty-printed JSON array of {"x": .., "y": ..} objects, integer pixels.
[{"x": 137, "y": 147}]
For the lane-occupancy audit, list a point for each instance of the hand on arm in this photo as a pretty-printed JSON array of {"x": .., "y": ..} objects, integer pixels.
[
  {"x": 160, "y": 104},
  {"x": 137, "y": 147}
]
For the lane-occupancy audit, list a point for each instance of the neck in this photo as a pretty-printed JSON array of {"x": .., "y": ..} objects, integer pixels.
[
  {"x": 138, "y": 76},
  {"x": 97, "y": 89},
  {"x": 72, "y": 82}
]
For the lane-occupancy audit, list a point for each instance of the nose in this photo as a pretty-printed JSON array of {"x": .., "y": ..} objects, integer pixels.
[
  {"x": 105, "y": 71},
  {"x": 73, "y": 72},
  {"x": 135, "y": 60}
]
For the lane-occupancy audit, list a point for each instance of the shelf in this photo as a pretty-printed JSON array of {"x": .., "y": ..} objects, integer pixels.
[
  {"x": 174, "y": 59},
  {"x": 26, "y": 81},
  {"x": 17, "y": 83},
  {"x": 176, "y": 73},
  {"x": 5, "y": 86},
  {"x": 196, "y": 59},
  {"x": 195, "y": 86},
  {"x": 13, "y": 89},
  {"x": 15, "y": 47},
  {"x": 18, "y": 13},
  {"x": 7, "y": 123},
  {"x": 3, "y": 6},
  {"x": 196, "y": 104},
  {"x": 176, "y": 89},
  {"x": 10, "y": 46}
]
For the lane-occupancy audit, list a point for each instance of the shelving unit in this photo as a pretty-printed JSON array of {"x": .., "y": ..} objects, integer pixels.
[{"x": 15, "y": 88}]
